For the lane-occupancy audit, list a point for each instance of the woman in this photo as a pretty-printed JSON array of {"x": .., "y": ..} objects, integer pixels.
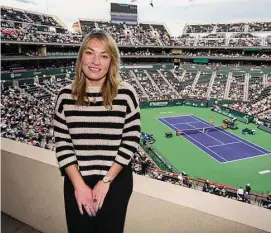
[{"x": 97, "y": 130}]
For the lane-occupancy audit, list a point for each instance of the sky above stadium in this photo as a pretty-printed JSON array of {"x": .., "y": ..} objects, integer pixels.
[{"x": 174, "y": 13}]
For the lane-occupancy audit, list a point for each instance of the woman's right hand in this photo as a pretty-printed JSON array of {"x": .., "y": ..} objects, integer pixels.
[{"x": 83, "y": 195}]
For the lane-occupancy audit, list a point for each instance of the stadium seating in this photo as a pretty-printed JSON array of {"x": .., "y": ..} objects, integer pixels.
[
  {"x": 27, "y": 106},
  {"x": 232, "y": 34},
  {"x": 129, "y": 77},
  {"x": 117, "y": 31},
  {"x": 255, "y": 87},
  {"x": 237, "y": 87},
  {"x": 33, "y": 26},
  {"x": 165, "y": 88},
  {"x": 173, "y": 80},
  {"x": 219, "y": 85},
  {"x": 150, "y": 89},
  {"x": 187, "y": 82},
  {"x": 87, "y": 26},
  {"x": 230, "y": 27},
  {"x": 202, "y": 85},
  {"x": 129, "y": 34}
]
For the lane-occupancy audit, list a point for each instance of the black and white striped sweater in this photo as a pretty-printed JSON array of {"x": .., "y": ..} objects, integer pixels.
[{"x": 93, "y": 137}]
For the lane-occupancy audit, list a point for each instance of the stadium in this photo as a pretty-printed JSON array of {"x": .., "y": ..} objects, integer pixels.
[{"x": 205, "y": 107}]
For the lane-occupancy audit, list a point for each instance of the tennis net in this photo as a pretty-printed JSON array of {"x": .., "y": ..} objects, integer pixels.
[{"x": 201, "y": 130}]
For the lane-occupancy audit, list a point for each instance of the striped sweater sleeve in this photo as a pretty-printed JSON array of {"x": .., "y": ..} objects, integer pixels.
[
  {"x": 64, "y": 148},
  {"x": 131, "y": 131}
]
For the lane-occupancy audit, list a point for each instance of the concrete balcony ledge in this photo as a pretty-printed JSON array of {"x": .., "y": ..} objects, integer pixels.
[{"x": 32, "y": 192}]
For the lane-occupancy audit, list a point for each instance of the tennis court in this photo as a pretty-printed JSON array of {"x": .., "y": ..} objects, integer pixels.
[
  {"x": 224, "y": 156},
  {"x": 222, "y": 145}
]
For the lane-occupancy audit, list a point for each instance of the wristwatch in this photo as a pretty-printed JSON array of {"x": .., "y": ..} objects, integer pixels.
[{"x": 106, "y": 179}]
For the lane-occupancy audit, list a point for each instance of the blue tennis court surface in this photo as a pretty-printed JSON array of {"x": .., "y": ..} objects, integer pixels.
[{"x": 222, "y": 145}]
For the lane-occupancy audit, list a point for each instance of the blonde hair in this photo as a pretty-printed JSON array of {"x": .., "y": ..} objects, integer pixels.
[{"x": 110, "y": 86}]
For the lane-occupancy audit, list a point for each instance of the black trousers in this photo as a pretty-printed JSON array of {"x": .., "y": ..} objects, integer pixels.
[{"x": 111, "y": 217}]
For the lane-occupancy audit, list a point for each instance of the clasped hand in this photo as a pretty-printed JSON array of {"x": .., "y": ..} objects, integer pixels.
[{"x": 91, "y": 199}]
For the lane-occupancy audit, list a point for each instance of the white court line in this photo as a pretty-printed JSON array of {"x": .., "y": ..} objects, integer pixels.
[
  {"x": 183, "y": 129},
  {"x": 251, "y": 157},
  {"x": 224, "y": 144},
  {"x": 230, "y": 135},
  {"x": 175, "y": 116},
  {"x": 264, "y": 172},
  {"x": 207, "y": 134},
  {"x": 186, "y": 122},
  {"x": 197, "y": 145}
]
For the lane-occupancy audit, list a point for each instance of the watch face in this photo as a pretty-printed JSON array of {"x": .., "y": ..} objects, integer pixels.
[{"x": 106, "y": 179}]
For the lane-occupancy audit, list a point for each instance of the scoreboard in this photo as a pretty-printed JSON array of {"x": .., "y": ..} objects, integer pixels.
[
  {"x": 123, "y": 13},
  {"x": 123, "y": 8}
]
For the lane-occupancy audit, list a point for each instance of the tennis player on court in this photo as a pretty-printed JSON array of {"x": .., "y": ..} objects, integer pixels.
[{"x": 211, "y": 120}]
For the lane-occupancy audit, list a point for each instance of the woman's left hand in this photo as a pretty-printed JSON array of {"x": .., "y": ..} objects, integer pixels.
[{"x": 99, "y": 193}]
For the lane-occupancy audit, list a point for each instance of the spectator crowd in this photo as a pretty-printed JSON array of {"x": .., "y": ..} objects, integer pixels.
[{"x": 20, "y": 25}]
